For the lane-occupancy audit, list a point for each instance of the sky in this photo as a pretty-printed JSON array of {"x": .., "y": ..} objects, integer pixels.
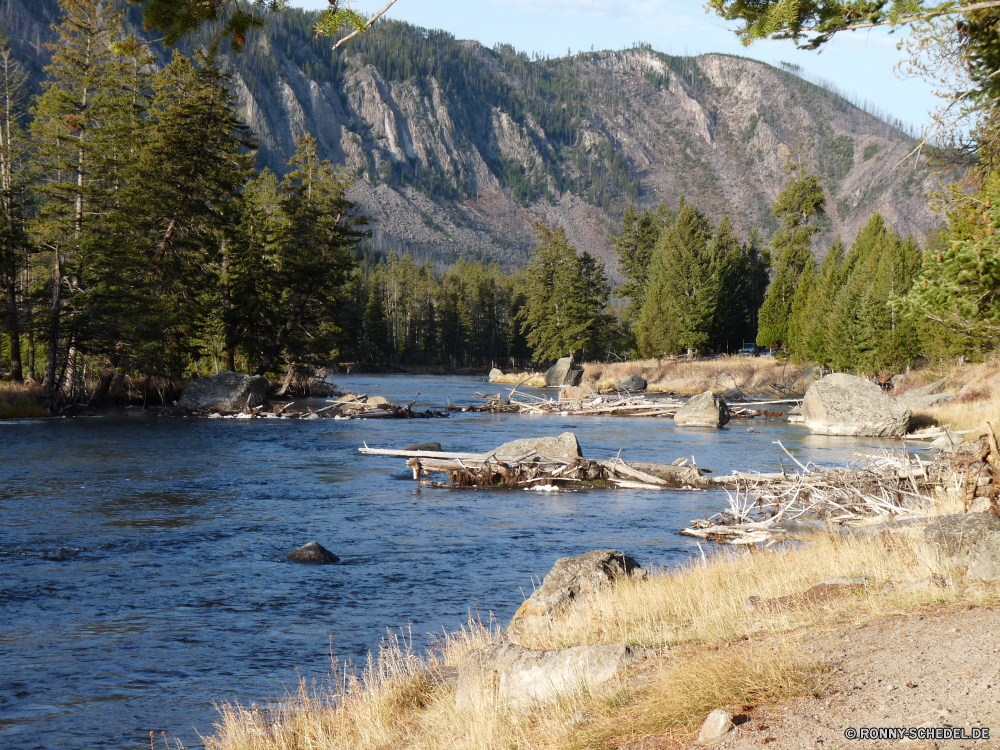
[{"x": 861, "y": 63}]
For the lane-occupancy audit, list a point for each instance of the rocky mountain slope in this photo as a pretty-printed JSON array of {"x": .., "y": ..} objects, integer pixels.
[{"x": 458, "y": 149}]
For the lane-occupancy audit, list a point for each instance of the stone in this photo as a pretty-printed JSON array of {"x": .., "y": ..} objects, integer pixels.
[
  {"x": 495, "y": 375},
  {"x": 842, "y": 404},
  {"x": 520, "y": 677},
  {"x": 733, "y": 395},
  {"x": 224, "y": 391},
  {"x": 966, "y": 541},
  {"x": 918, "y": 401},
  {"x": 931, "y": 389},
  {"x": 718, "y": 724},
  {"x": 704, "y": 410},
  {"x": 573, "y": 579},
  {"x": 435, "y": 447},
  {"x": 632, "y": 383},
  {"x": 808, "y": 376},
  {"x": 726, "y": 379},
  {"x": 378, "y": 401},
  {"x": 576, "y": 393},
  {"x": 314, "y": 552},
  {"x": 564, "y": 372},
  {"x": 564, "y": 446}
]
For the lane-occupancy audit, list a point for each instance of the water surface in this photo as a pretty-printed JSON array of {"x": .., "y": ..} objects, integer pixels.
[{"x": 141, "y": 571}]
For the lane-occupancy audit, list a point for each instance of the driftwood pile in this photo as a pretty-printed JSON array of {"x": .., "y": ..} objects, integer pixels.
[
  {"x": 532, "y": 471},
  {"x": 765, "y": 508},
  {"x": 978, "y": 473},
  {"x": 350, "y": 406}
]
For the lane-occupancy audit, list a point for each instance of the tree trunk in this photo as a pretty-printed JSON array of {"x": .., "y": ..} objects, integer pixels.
[
  {"x": 227, "y": 311},
  {"x": 30, "y": 325},
  {"x": 68, "y": 379},
  {"x": 13, "y": 328},
  {"x": 287, "y": 383},
  {"x": 49, "y": 381}
]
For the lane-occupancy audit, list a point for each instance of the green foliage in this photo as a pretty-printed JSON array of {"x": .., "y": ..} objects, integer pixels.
[
  {"x": 234, "y": 19},
  {"x": 870, "y": 150},
  {"x": 566, "y": 307},
  {"x": 634, "y": 245}
]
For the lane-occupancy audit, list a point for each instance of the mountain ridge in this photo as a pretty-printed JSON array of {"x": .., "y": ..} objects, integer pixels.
[{"x": 458, "y": 149}]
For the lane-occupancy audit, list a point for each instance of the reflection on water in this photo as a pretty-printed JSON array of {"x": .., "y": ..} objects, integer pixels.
[{"x": 141, "y": 571}]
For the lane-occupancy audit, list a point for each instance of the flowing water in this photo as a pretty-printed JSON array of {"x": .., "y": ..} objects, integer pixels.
[{"x": 141, "y": 570}]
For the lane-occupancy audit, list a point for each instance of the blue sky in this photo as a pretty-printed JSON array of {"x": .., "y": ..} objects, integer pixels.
[{"x": 861, "y": 63}]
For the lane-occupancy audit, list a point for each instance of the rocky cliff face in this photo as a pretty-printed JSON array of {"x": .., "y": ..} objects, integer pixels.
[{"x": 459, "y": 150}]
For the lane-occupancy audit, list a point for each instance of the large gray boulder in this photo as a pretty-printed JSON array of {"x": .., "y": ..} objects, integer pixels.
[
  {"x": 572, "y": 580},
  {"x": 520, "y": 677},
  {"x": 632, "y": 383},
  {"x": 564, "y": 372},
  {"x": 842, "y": 404},
  {"x": 966, "y": 542},
  {"x": 495, "y": 375},
  {"x": 931, "y": 389},
  {"x": 314, "y": 552},
  {"x": 923, "y": 401},
  {"x": 224, "y": 391},
  {"x": 564, "y": 446},
  {"x": 704, "y": 410}
]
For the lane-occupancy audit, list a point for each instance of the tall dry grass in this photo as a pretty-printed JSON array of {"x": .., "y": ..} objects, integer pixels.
[
  {"x": 20, "y": 401},
  {"x": 694, "y": 616}
]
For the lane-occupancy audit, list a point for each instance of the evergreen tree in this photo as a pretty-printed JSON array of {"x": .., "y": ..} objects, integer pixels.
[
  {"x": 732, "y": 268},
  {"x": 682, "y": 294},
  {"x": 801, "y": 311},
  {"x": 796, "y": 207},
  {"x": 634, "y": 246},
  {"x": 825, "y": 288}
]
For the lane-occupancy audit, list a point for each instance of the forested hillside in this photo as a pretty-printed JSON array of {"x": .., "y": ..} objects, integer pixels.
[{"x": 458, "y": 149}]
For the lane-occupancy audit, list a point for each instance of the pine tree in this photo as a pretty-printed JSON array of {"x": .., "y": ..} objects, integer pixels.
[
  {"x": 634, "y": 246},
  {"x": 72, "y": 148},
  {"x": 827, "y": 284},
  {"x": 801, "y": 312},
  {"x": 682, "y": 294},
  {"x": 730, "y": 261}
]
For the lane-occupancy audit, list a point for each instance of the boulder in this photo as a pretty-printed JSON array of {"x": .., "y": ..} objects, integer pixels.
[
  {"x": 495, "y": 375},
  {"x": 931, "y": 389},
  {"x": 718, "y": 724},
  {"x": 564, "y": 372},
  {"x": 632, "y": 383},
  {"x": 966, "y": 541},
  {"x": 224, "y": 391},
  {"x": 842, "y": 404},
  {"x": 564, "y": 446},
  {"x": 576, "y": 393},
  {"x": 726, "y": 379},
  {"x": 704, "y": 410},
  {"x": 521, "y": 677},
  {"x": 924, "y": 401},
  {"x": 572, "y": 580},
  {"x": 378, "y": 401},
  {"x": 314, "y": 552},
  {"x": 436, "y": 447}
]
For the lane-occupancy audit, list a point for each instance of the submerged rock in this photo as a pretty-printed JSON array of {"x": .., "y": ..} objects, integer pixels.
[
  {"x": 521, "y": 677},
  {"x": 314, "y": 552},
  {"x": 573, "y": 579},
  {"x": 842, "y": 404},
  {"x": 564, "y": 446},
  {"x": 564, "y": 372},
  {"x": 224, "y": 391},
  {"x": 436, "y": 447},
  {"x": 633, "y": 383},
  {"x": 704, "y": 410}
]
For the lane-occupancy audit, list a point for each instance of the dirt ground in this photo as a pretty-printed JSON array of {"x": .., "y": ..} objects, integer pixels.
[{"x": 935, "y": 670}]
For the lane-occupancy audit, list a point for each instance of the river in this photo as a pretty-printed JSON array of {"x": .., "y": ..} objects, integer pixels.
[{"x": 141, "y": 570}]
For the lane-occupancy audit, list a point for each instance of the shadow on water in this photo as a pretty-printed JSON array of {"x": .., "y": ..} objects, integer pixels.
[{"x": 141, "y": 570}]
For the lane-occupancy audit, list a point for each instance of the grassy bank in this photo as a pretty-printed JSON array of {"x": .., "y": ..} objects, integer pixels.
[
  {"x": 19, "y": 401},
  {"x": 707, "y": 650},
  {"x": 976, "y": 388},
  {"x": 682, "y": 376}
]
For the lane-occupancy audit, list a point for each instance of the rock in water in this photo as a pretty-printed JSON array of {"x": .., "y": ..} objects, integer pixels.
[
  {"x": 314, "y": 552},
  {"x": 495, "y": 375},
  {"x": 717, "y": 725},
  {"x": 564, "y": 372},
  {"x": 225, "y": 391},
  {"x": 704, "y": 410},
  {"x": 564, "y": 446},
  {"x": 966, "y": 541},
  {"x": 436, "y": 447},
  {"x": 573, "y": 579},
  {"x": 842, "y": 404},
  {"x": 633, "y": 383},
  {"x": 521, "y": 677}
]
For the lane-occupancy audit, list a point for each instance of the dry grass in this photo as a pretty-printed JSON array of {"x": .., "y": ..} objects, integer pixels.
[
  {"x": 20, "y": 401},
  {"x": 694, "y": 615},
  {"x": 680, "y": 375},
  {"x": 976, "y": 388}
]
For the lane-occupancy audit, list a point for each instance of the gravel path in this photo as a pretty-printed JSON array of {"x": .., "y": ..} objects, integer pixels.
[{"x": 938, "y": 670}]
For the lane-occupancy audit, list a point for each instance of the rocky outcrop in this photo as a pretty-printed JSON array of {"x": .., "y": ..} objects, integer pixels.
[
  {"x": 842, "y": 404},
  {"x": 704, "y": 410},
  {"x": 224, "y": 391},
  {"x": 314, "y": 552},
  {"x": 564, "y": 446},
  {"x": 965, "y": 542},
  {"x": 914, "y": 402},
  {"x": 564, "y": 372},
  {"x": 572, "y": 580},
  {"x": 632, "y": 383},
  {"x": 520, "y": 678}
]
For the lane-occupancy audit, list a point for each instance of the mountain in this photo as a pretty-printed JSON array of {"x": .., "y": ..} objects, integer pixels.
[{"x": 458, "y": 149}]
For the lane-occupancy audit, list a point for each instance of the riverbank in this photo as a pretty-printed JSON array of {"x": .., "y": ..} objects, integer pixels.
[
  {"x": 739, "y": 631},
  {"x": 19, "y": 401}
]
